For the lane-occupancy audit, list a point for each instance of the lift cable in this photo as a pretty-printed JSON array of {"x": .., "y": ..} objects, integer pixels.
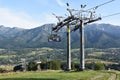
[
  {"x": 111, "y": 15},
  {"x": 95, "y": 6},
  {"x": 101, "y": 4}
]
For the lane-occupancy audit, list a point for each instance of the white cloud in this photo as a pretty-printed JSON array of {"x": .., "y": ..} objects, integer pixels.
[
  {"x": 47, "y": 18},
  {"x": 60, "y": 3},
  {"x": 13, "y": 19},
  {"x": 20, "y": 19}
]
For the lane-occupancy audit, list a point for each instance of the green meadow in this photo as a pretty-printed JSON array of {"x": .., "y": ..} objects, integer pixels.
[{"x": 61, "y": 75}]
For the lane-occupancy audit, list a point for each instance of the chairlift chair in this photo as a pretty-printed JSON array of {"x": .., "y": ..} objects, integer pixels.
[{"x": 54, "y": 37}]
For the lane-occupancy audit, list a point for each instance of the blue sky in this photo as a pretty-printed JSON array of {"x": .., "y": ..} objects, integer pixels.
[{"x": 34, "y": 13}]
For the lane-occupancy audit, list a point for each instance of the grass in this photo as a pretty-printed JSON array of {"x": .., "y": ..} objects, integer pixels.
[
  {"x": 4, "y": 56},
  {"x": 6, "y": 67},
  {"x": 99, "y": 60},
  {"x": 57, "y": 75},
  {"x": 118, "y": 77},
  {"x": 97, "y": 54}
]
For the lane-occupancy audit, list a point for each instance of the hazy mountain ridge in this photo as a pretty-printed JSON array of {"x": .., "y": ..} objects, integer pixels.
[
  {"x": 96, "y": 35},
  {"x": 9, "y": 32}
]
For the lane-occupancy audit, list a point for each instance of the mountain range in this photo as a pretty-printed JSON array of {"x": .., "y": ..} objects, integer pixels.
[{"x": 96, "y": 36}]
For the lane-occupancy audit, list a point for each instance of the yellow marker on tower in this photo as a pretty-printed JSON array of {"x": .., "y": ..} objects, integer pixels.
[{"x": 69, "y": 30}]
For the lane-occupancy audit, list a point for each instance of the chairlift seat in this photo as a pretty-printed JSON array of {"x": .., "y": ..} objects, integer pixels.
[{"x": 54, "y": 37}]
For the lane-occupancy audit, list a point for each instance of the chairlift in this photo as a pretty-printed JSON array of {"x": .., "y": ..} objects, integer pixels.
[{"x": 54, "y": 37}]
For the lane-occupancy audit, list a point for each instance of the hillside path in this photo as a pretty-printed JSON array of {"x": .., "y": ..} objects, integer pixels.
[
  {"x": 113, "y": 77},
  {"x": 99, "y": 76}
]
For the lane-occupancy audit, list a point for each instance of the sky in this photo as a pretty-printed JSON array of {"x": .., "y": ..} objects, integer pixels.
[{"x": 33, "y": 13}]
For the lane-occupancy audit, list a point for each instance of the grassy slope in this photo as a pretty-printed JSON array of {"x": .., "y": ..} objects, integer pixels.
[{"x": 57, "y": 75}]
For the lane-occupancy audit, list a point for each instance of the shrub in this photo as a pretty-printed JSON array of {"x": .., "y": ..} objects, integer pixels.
[
  {"x": 18, "y": 68},
  {"x": 63, "y": 66},
  {"x": 2, "y": 70},
  {"x": 99, "y": 66},
  {"x": 74, "y": 66},
  {"x": 43, "y": 66},
  {"x": 77, "y": 66},
  {"x": 113, "y": 66},
  {"x": 55, "y": 65},
  {"x": 32, "y": 66}
]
